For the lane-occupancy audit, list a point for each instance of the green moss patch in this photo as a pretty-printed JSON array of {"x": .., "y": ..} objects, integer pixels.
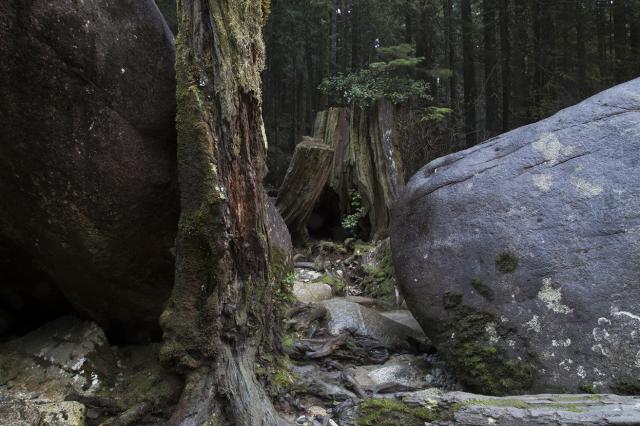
[
  {"x": 506, "y": 262},
  {"x": 391, "y": 412},
  {"x": 451, "y": 300},
  {"x": 480, "y": 364},
  {"x": 274, "y": 372},
  {"x": 482, "y": 289},
  {"x": 627, "y": 386},
  {"x": 336, "y": 283},
  {"x": 379, "y": 282}
]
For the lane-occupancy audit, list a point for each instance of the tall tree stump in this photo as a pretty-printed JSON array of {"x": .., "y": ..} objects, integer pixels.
[
  {"x": 303, "y": 184},
  {"x": 366, "y": 159}
]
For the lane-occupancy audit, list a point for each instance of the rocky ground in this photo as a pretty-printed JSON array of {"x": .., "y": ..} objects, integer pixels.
[
  {"x": 354, "y": 356},
  {"x": 358, "y": 357}
]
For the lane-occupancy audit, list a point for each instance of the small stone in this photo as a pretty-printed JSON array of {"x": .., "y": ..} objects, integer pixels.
[
  {"x": 304, "y": 420},
  {"x": 316, "y": 411},
  {"x": 312, "y": 292}
]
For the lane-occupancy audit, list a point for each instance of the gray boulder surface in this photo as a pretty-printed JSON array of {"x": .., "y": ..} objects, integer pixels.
[
  {"x": 520, "y": 257},
  {"x": 87, "y": 152}
]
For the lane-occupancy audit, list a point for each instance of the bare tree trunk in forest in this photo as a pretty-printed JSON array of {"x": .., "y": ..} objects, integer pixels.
[
  {"x": 620, "y": 40},
  {"x": 469, "y": 74},
  {"x": 581, "y": 49},
  {"x": 408, "y": 22},
  {"x": 492, "y": 121},
  {"x": 334, "y": 37},
  {"x": 325, "y": 53},
  {"x": 451, "y": 43},
  {"x": 425, "y": 46},
  {"x": 521, "y": 73},
  {"x": 219, "y": 316},
  {"x": 505, "y": 47},
  {"x": 356, "y": 61},
  {"x": 602, "y": 41},
  {"x": 634, "y": 42},
  {"x": 539, "y": 60}
]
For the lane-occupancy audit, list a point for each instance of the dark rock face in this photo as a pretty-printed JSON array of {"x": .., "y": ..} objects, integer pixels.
[
  {"x": 87, "y": 151},
  {"x": 521, "y": 257},
  {"x": 169, "y": 11}
]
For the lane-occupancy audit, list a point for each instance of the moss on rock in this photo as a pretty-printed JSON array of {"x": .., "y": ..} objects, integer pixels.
[
  {"x": 626, "y": 386},
  {"x": 469, "y": 344},
  {"x": 506, "y": 262},
  {"x": 379, "y": 281},
  {"x": 482, "y": 289},
  {"x": 337, "y": 284},
  {"x": 391, "y": 412}
]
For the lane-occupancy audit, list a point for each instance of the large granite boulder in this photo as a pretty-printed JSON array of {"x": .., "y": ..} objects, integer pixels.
[
  {"x": 87, "y": 152},
  {"x": 520, "y": 257}
]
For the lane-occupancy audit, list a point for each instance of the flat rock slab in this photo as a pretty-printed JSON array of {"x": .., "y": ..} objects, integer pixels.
[
  {"x": 312, "y": 292},
  {"x": 530, "y": 410},
  {"x": 362, "y": 321}
]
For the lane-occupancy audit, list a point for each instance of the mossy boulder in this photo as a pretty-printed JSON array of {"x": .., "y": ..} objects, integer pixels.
[
  {"x": 519, "y": 256},
  {"x": 88, "y": 153}
]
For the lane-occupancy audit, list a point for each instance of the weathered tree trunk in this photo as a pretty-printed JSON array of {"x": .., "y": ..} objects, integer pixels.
[
  {"x": 425, "y": 46},
  {"x": 492, "y": 119},
  {"x": 581, "y": 48},
  {"x": 634, "y": 40},
  {"x": 620, "y": 40},
  {"x": 469, "y": 74},
  {"x": 521, "y": 74},
  {"x": 505, "y": 47},
  {"x": 219, "y": 315},
  {"x": 303, "y": 184},
  {"x": 451, "y": 52}
]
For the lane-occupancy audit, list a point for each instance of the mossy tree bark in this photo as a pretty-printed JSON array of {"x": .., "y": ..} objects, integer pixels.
[{"x": 219, "y": 316}]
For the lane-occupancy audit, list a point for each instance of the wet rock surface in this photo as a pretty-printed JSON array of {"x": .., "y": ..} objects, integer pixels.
[
  {"x": 87, "y": 153},
  {"x": 519, "y": 256}
]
